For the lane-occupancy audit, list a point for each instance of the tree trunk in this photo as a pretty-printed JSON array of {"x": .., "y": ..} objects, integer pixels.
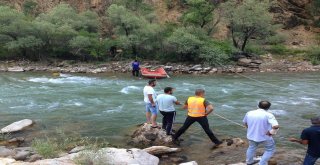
[
  {"x": 235, "y": 43},
  {"x": 244, "y": 42}
]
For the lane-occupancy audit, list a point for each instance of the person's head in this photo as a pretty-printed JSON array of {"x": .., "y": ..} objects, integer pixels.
[
  {"x": 135, "y": 60},
  {"x": 264, "y": 105},
  {"x": 315, "y": 120},
  {"x": 152, "y": 83},
  {"x": 199, "y": 92},
  {"x": 168, "y": 90}
]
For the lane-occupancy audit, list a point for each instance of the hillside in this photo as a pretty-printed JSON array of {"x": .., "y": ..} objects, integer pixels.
[{"x": 290, "y": 27}]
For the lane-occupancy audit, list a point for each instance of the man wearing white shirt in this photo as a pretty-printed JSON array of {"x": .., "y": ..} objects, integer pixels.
[
  {"x": 261, "y": 126},
  {"x": 166, "y": 107},
  {"x": 150, "y": 100}
]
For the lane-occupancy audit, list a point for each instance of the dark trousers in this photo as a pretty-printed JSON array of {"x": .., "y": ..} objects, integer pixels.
[
  {"x": 167, "y": 121},
  {"x": 135, "y": 73},
  {"x": 203, "y": 121}
]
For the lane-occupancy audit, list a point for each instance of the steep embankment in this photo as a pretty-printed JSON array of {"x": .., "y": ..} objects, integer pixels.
[{"x": 294, "y": 15}]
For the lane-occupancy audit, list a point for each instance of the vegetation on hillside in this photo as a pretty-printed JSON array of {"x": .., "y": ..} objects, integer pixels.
[{"x": 134, "y": 31}]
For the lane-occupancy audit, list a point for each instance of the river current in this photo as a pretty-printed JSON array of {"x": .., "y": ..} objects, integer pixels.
[{"x": 109, "y": 106}]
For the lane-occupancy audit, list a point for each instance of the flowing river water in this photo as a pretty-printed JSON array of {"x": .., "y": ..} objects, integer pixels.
[{"x": 109, "y": 106}]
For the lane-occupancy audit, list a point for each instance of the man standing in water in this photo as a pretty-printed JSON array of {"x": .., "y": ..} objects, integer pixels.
[
  {"x": 166, "y": 107},
  {"x": 150, "y": 101},
  {"x": 311, "y": 137},
  {"x": 261, "y": 126},
  {"x": 198, "y": 110},
  {"x": 135, "y": 68}
]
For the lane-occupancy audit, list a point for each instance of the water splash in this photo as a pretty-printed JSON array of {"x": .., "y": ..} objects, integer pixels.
[
  {"x": 278, "y": 112},
  {"x": 117, "y": 109},
  {"x": 126, "y": 90},
  {"x": 64, "y": 79}
]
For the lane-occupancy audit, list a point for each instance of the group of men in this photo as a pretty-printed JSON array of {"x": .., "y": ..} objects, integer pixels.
[{"x": 260, "y": 123}]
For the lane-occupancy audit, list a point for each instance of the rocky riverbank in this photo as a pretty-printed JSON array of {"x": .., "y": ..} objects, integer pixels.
[
  {"x": 265, "y": 64},
  {"x": 231, "y": 152}
]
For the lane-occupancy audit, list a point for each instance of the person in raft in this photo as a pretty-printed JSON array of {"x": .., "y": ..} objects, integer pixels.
[
  {"x": 166, "y": 107},
  {"x": 311, "y": 137},
  {"x": 135, "y": 68},
  {"x": 198, "y": 110},
  {"x": 150, "y": 101},
  {"x": 261, "y": 125}
]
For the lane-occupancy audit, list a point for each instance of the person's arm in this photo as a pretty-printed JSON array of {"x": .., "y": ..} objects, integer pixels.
[
  {"x": 175, "y": 101},
  {"x": 274, "y": 123},
  {"x": 185, "y": 106},
  {"x": 209, "y": 109},
  {"x": 151, "y": 100},
  {"x": 300, "y": 141}
]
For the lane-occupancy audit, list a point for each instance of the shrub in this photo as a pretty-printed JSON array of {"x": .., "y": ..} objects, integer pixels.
[
  {"x": 314, "y": 55},
  {"x": 276, "y": 39},
  {"x": 169, "y": 4},
  {"x": 46, "y": 148},
  {"x": 255, "y": 49},
  {"x": 91, "y": 157},
  {"x": 279, "y": 49}
]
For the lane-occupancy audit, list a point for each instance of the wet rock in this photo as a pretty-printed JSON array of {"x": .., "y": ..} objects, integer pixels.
[
  {"x": 17, "y": 126},
  {"x": 160, "y": 150},
  {"x": 178, "y": 159},
  {"x": 34, "y": 158},
  {"x": 15, "y": 69},
  {"x": 189, "y": 163},
  {"x": 21, "y": 155},
  {"x": 145, "y": 135},
  {"x": 16, "y": 141},
  {"x": 5, "y": 152},
  {"x": 213, "y": 70},
  {"x": 168, "y": 68}
]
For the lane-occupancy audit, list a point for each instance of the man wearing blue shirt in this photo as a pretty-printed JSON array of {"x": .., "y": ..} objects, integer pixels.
[
  {"x": 311, "y": 137},
  {"x": 261, "y": 126},
  {"x": 135, "y": 68},
  {"x": 166, "y": 107}
]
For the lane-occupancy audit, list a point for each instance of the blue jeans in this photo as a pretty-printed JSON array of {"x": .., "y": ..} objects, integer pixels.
[
  {"x": 309, "y": 160},
  {"x": 269, "y": 146},
  {"x": 150, "y": 108}
]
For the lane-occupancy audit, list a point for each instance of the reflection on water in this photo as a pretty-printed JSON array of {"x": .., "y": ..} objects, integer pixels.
[{"x": 108, "y": 106}]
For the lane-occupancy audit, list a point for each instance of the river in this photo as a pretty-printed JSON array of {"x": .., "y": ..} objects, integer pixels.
[{"x": 109, "y": 106}]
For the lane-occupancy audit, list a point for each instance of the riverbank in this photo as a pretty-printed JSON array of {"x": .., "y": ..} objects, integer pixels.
[{"x": 243, "y": 65}]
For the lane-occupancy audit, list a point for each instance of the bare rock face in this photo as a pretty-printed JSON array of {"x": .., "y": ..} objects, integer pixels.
[{"x": 145, "y": 135}]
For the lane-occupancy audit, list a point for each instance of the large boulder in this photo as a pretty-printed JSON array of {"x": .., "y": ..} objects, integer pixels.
[
  {"x": 17, "y": 126},
  {"x": 145, "y": 135}
]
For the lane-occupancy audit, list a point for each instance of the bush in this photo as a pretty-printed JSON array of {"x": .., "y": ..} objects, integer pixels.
[
  {"x": 314, "y": 55},
  {"x": 91, "y": 157},
  {"x": 276, "y": 39},
  {"x": 255, "y": 49},
  {"x": 46, "y": 148},
  {"x": 169, "y": 4},
  {"x": 279, "y": 50}
]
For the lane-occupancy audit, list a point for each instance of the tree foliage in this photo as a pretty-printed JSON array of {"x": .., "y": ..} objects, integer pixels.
[{"x": 248, "y": 19}]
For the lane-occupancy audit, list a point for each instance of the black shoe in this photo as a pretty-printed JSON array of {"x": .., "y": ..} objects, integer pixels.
[{"x": 216, "y": 145}]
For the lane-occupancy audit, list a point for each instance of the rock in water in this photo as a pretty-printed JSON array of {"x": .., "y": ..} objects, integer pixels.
[
  {"x": 17, "y": 126},
  {"x": 145, "y": 135},
  {"x": 159, "y": 150}
]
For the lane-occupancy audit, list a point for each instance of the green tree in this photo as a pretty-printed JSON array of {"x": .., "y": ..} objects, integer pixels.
[
  {"x": 16, "y": 31},
  {"x": 248, "y": 19},
  {"x": 29, "y": 7},
  {"x": 200, "y": 14},
  {"x": 133, "y": 31},
  {"x": 60, "y": 28}
]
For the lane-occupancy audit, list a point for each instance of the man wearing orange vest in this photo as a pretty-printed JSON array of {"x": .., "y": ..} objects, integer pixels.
[{"x": 198, "y": 110}]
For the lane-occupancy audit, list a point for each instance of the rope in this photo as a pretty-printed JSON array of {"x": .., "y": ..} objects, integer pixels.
[{"x": 229, "y": 120}]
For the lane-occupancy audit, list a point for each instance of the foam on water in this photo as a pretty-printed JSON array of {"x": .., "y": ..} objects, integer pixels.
[
  {"x": 278, "y": 112},
  {"x": 126, "y": 90},
  {"x": 309, "y": 99},
  {"x": 117, "y": 109},
  {"x": 54, "y": 105},
  {"x": 227, "y": 106},
  {"x": 224, "y": 91},
  {"x": 64, "y": 78}
]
